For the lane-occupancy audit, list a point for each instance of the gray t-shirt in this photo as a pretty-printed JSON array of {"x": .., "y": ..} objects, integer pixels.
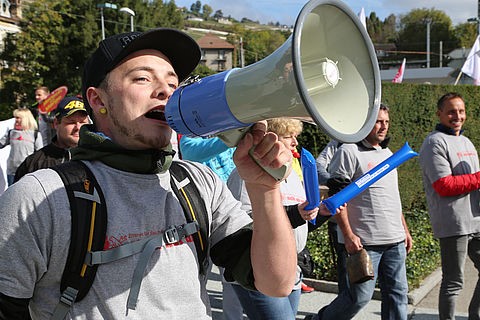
[
  {"x": 323, "y": 161},
  {"x": 375, "y": 215},
  {"x": 442, "y": 155},
  {"x": 22, "y": 143},
  {"x": 35, "y": 236}
]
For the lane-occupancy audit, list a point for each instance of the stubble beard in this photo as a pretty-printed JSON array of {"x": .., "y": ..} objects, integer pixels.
[{"x": 158, "y": 142}]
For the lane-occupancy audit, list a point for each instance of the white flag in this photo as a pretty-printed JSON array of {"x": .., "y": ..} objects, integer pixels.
[
  {"x": 471, "y": 67},
  {"x": 363, "y": 19},
  {"x": 399, "y": 76}
]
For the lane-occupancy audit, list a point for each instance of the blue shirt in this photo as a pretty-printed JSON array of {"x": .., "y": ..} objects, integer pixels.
[{"x": 212, "y": 152}]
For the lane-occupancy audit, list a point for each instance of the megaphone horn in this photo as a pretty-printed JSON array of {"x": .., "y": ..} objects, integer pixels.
[{"x": 326, "y": 72}]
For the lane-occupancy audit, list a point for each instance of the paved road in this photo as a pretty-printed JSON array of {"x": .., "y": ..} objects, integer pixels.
[{"x": 426, "y": 309}]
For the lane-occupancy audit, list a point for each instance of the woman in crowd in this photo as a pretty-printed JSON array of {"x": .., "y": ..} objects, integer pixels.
[
  {"x": 23, "y": 140},
  {"x": 255, "y": 304}
]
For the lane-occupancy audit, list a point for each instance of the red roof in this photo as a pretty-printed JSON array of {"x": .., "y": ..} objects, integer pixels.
[{"x": 210, "y": 41}]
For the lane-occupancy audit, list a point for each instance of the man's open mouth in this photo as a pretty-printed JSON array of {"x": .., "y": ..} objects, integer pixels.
[{"x": 156, "y": 114}]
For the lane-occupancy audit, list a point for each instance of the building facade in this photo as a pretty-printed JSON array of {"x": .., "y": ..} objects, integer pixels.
[
  {"x": 217, "y": 54},
  {"x": 10, "y": 14}
]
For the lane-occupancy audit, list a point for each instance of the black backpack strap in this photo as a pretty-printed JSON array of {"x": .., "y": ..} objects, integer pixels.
[
  {"x": 193, "y": 208},
  {"x": 88, "y": 230},
  {"x": 89, "y": 225}
]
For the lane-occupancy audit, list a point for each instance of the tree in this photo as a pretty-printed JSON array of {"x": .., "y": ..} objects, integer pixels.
[
  {"x": 390, "y": 28},
  {"x": 206, "y": 11},
  {"x": 374, "y": 28},
  {"x": 260, "y": 44},
  {"x": 466, "y": 34},
  {"x": 196, "y": 7},
  {"x": 218, "y": 14},
  {"x": 381, "y": 31},
  {"x": 167, "y": 15},
  {"x": 50, "y": 50},
  {"x": 413, "y": 31},
  {"x": 52, "y": 47},
  {"x": 203, "y": 71},
  {"x": 247, "y": 21}
]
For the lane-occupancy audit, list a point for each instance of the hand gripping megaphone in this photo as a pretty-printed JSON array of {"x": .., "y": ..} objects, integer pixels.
[{"x": 325, "y": 73}]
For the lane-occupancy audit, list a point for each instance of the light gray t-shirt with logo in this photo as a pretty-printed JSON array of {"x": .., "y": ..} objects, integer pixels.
[
  {"x": 375, "y": 215},
  {"x": 35, "y": 237},
  {"x": 442, "y": 155}
]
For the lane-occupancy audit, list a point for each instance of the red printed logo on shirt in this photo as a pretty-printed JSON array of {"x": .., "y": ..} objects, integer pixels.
[
  {"x": 112, "y": 241},
  {"x": 465, "y": 154}
]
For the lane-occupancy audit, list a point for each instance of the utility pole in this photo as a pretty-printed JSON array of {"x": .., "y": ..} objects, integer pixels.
[
  {"x": 441, "y": 54},
  {"x": 429, "y": 22},
  {"x": 242, "y": 55}
]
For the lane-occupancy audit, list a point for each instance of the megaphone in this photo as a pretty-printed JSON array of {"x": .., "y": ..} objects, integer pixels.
[{"x": 325, "y": 73}]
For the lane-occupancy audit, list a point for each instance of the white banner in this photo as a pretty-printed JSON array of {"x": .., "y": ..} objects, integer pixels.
[
  {"x": 4, "y": 153},
  {"x": 362, "y": 17}
]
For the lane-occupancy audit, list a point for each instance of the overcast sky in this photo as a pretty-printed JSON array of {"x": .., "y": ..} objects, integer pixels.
[{"x": 286, "y": 11}]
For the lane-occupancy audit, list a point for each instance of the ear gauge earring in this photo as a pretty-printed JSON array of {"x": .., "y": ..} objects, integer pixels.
[{"x": 103, "y": 110}]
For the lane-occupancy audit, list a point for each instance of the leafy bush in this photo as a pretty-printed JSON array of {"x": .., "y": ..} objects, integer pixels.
[
  {"x": 5, "y": 111},
  {"x": 425, "y": 255},
  {"x": 318, "y": 244}
]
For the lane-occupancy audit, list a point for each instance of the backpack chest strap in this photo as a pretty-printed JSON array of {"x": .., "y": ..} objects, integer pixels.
[
  {"x": 171, "y": 235},
  {"x": 145, "y": 247}
]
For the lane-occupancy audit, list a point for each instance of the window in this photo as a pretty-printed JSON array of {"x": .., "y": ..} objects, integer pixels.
[
  {"x": 221, "y": 55},
  {"x": 221, "y": 66},
  {"x": 5, "y": 8}
]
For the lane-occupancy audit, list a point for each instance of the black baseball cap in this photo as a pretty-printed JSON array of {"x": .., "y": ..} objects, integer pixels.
[
  {"x": 182, "y": 51},
  {"x": 68, "y": 106}
]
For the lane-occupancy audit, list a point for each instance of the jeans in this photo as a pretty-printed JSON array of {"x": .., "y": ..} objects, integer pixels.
[
  {"x": 258, "y": 306},
  {"x": 389, "y": 268},
  {"x": 10, "y": 179},
  {"x": 454, "y": 251},
  {"x": 232, "y": 308}
]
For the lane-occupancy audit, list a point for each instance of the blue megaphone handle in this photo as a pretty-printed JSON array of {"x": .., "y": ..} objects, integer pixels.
[
  {"x": 367, "y": 179},
  {"x": 310, "y": 180}
]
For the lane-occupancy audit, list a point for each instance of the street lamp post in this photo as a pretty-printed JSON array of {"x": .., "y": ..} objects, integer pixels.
[
  {"x": 102, "y": 6},
  {"x": 131, "y": 13}
]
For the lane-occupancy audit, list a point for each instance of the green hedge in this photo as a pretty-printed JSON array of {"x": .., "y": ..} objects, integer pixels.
[{"x": 412, "y": 117}]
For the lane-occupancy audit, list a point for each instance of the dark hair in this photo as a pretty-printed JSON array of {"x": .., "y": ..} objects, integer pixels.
[
  {"x": 447, "y": 97},
  {"x": 384, "y": 107}
]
